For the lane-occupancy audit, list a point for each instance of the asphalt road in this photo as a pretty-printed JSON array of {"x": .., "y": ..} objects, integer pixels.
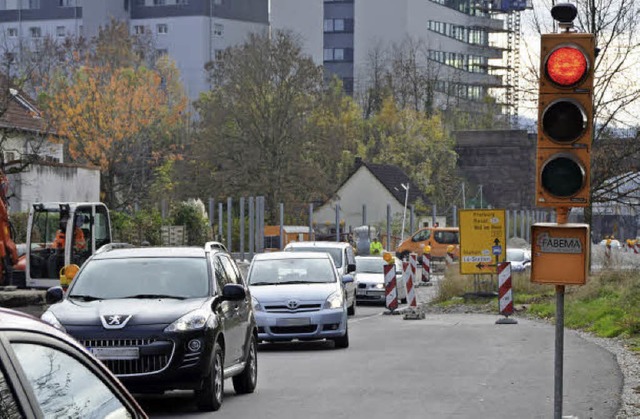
[{"x": 444, "y": 366}]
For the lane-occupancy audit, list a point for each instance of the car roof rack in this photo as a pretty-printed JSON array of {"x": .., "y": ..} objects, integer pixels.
[
  {"x": 209, "y": 246},
  {"x": 112, "y": 246}
]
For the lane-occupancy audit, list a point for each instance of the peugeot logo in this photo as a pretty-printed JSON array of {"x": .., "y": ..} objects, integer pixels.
[
  {"x": 114, "y": 321},
  {"x": 293, "y": 304}
]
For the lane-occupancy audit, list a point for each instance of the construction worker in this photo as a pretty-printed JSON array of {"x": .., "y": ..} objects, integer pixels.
[
  {"x": 375, "y": 248},
  {"x": 79, "y": 241}
]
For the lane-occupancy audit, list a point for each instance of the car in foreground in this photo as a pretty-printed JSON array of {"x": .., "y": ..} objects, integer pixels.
[
  {"x": 520, "y": 259},
  {"x": 343, "y": 258},
  {"x": 369, "y": 279},
  {"x": 172, "y": 318},
  {"x": 46, "y": 373},
  {"x": 299, "y": 295}
]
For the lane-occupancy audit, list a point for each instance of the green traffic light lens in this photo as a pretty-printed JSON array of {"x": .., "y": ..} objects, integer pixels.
[
  {"x": 563, "y": 176},
  {"x": 564, "y": 121}
]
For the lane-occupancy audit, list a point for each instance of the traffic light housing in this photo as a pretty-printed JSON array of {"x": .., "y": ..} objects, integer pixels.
[{"x": 565, "y": 120}]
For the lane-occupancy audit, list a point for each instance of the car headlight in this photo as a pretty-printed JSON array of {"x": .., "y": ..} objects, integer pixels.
[
  {"x": 378, "y": 286},
  {"x": 194, "y": 320},
  {"x": 48, "y": 317},
  {"x": 256, "y": 304},
  {"x": 335, "y": 300}
]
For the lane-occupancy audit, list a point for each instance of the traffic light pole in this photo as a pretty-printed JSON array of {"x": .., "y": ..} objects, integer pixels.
[{"x": 562, "y": 215}]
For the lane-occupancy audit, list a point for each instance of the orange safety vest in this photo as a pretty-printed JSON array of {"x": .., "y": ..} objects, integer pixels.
[{"x": 79, "y": 241}]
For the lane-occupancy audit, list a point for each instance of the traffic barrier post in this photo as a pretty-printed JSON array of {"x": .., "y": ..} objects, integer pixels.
[
  {"x": 411, "y": 293},
  {"x": 391, "y": 293},
  {"x": 426, "y": 266},
  {"x": 505, "y": 295}
]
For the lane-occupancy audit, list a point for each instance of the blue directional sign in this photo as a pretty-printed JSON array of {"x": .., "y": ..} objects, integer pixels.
[{"x": 496, "y": 250}]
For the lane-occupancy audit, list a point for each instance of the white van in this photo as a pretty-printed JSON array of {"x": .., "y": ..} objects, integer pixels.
[{"x": 343, "y": 257}]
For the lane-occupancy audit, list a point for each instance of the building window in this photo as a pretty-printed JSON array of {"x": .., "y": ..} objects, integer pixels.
[
  {"x": 218, "y": 29},
  {"x": 182, "y": 2},
  {"x": 159, "y": 2},
  {"x": 34, "y": 4},
  {"x": 218, "y": 54},
  {"x": 66, "y": 3},
  {"x": 217, "y": 1},
  {"x": 12, "y": 32},
  {"x": 162, "y": 52},
  {"x": 60, "y": 31},
  {"x": 138, "y": 29},
  {"x": 162, "y": 28},
  {"x": 35, "y": 32},
  {"x": 338, "y": 25},
  {"x": 338, "y": 54}
]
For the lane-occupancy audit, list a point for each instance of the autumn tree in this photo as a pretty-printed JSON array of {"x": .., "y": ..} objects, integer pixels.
[{"x": 118, "y": 114}]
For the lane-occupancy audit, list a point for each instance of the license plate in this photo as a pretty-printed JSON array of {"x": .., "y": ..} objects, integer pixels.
[
  {"x": 115, "y": 353},
  {"x": 361, "y": 291},
  {"x": 296, "y": 321}
]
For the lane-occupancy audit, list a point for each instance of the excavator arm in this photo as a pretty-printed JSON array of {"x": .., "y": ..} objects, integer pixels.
[{"x": 8, "y": 251}]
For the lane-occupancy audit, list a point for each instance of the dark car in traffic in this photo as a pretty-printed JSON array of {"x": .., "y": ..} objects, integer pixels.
[
  {"x": 46, "y": 373},
  {"x": 164, "y": 319}
]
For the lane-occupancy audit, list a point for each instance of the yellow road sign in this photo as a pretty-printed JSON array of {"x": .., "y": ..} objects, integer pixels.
[{"x": 483, "y": 240}]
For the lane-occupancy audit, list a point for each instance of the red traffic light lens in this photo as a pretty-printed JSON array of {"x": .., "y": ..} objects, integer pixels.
[
  {"x": 566, "y": 66},
  {"x": 562, "y": 176}
]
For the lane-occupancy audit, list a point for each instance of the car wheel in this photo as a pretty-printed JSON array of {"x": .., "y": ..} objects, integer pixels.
[
  {"x": 209, "y": 397},
  {"x": 246, "y": 381},
  {"x": 351, "y": 310},
  {"x": 343, "y": 341}
]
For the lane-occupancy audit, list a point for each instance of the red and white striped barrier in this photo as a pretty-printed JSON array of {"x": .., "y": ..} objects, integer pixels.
[
  {"x": 410, "y": 281},
  {"x": 426, "y": 268},
  {"x": 391, "y": 293},
  {"x": 406, "y": 271},
  {"x": 505, "y": 296}
]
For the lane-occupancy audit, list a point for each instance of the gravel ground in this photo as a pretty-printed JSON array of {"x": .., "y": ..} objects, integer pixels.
[{"x": 628, "y": 361}]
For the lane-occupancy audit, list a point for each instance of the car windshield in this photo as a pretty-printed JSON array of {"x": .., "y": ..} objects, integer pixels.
[
  {"x": 335, "y": 252},
  {"x": 175, "y": 277},
  {"x": 516, "y": 255},
  {"x": 291, "y": 271},
  {"x": 370, "y": 265}
]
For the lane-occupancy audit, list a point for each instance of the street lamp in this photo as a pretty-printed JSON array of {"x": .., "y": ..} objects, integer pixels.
[{"x": 404, "y": 213}]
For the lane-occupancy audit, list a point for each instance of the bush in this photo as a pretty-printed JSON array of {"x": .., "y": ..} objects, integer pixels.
[
  {"x": 142, "y": 226},
  {"x": 192, "y": 215}
]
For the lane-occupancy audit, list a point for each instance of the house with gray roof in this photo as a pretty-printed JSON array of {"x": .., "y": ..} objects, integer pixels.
[{"x": 363, "y": 197}]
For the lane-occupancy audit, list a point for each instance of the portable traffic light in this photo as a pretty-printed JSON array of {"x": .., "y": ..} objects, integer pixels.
[{"x": 565, "y": 119}]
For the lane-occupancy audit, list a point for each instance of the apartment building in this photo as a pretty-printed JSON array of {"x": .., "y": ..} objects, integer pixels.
[
  {"x": 192, "y": 32},
  {"x": 465, "y": 42}
]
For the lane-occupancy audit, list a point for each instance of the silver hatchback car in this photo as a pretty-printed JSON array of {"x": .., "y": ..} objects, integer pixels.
[{"x": 299, "y": 295}]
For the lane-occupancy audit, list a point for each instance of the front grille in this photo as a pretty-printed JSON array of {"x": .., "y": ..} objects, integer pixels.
[
  {"x": 361, "y": 285},
  {"x": 283, "y": 330},
  {"x": 146, "y": 364},
  {"x": 281, "y": 308}
]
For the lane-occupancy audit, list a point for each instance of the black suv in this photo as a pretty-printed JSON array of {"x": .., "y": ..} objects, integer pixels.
[{"x": 164, "y": 319}]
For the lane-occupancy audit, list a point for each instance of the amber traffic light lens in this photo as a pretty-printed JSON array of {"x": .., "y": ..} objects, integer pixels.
[
  {"x": 566, "y": 66},
  {"x": 564, "y": 121},
  {"x": 562, "y": 177}
]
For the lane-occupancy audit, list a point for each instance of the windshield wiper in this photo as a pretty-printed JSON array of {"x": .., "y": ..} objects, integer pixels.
[
  {"x": 296, "y": 282},
  {"x": 263, "y": 283},
  {"x": 155, "y": 296},
  {"x": 85, "y": 297}
]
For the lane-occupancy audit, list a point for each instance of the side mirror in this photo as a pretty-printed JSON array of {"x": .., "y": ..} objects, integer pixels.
[
  {"x": 54, "y": 295},
  {"x": 347, "y": 278},
  {"x": 351, "y": 267},
  {"x": 233, "y": 292}
]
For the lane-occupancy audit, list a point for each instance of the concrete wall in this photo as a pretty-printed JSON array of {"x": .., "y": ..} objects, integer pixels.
[
  {"x": 503, "y": 162},
  {"x": 53, "y": 182},
  {"x": 361, "y": 189}
]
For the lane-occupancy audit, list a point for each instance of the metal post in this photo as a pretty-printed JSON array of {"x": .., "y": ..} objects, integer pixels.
[
  {"x": 434, "y": 213},
  {"x": 220, "y": 219},
  {"x": 455, "y": 216},
  {"x": 281, "y": 226},
  {"x": 229, "y": 222},
  {"x": 311, "y": 235},
  {"x": 412, "y": 216},
  {"x": 163, "y": 209},
  {"x": 558, "y": 364},
  {"x": 260, "y": 216},
  {"x": 337, "y": 222},
  {"x": 242, "y": 228},
  {"x": 388, "y": 227},
  {"x": 364, "y": 214},
  {"x": 522, "y": 233},
  {"x": 508, "y": 212},
  {"x": 252, "y": 230},
  {"x": 212, "y": 216}
]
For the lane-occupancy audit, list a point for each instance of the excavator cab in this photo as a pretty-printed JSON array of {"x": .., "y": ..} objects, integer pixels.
[{"x": 61, "y": 234}]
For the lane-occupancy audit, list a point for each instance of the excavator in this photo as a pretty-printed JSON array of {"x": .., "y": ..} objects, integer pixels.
[
  {"x": 8, "y": 249},
  {"x": 60, "y": 234}
]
